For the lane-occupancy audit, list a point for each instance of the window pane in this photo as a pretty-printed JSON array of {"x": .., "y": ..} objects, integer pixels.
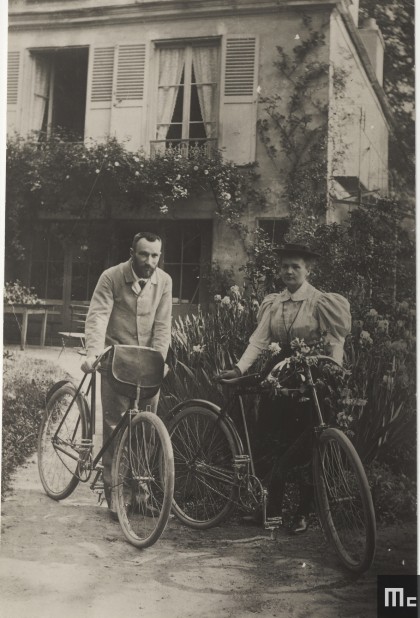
[
  {"x": 79, "y": 281},
  {"x": 40, "y": 246},
  {"x": 276, "y": 229},
  {"x": 190, "y": 281},
  {"x": 175, "y": 272},
  {"x": 192, "y": 247},
  {"x": 94, "y": 274},
  {"x": 197, "y": 131},
  {"x": 39, "y": 278},
  {"x": 47, "y": 263},
  {"x": 195, "y": 112},
  {"x": 173, "y": 242},
  {"x": 55, "y": 280}
]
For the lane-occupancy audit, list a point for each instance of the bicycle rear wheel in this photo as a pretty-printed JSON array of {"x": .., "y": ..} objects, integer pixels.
[
  {"x": 205, "y": 481},
  {"x": 143, "y": 479},
  {"x": 344, "y": 500},
  {"x": 59, "y": 441}
]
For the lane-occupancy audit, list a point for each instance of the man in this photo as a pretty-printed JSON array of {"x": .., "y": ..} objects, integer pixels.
[{"x": 131, "y": 304}]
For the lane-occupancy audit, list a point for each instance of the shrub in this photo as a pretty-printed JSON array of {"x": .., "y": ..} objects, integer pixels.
[
  {"x": 393, "y": 493},
  {"x": 25, "y": 384}
]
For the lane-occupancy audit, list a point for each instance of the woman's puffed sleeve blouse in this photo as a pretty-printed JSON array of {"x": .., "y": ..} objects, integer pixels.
[
  {"x": 318, "y": 313},
  {"x": 333, "y": 314}
]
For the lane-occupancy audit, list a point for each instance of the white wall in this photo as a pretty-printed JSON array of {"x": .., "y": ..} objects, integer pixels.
[{"x": 358, "y": 127}]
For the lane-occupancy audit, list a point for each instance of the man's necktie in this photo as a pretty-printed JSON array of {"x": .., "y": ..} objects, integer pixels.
[{"x": 142, "y": 283}]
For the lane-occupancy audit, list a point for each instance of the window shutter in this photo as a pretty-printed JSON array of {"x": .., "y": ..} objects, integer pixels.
[
  {"x": 99, "y": 95},
  {"x": 239, "y": 99},
  {"x": 128, "y": 116},
  {"x": 240, "y": 67},
  {"x": 130, "y": 73},
  {"x": 102, "y": 74},
  {"x": 13, "y": 77}
]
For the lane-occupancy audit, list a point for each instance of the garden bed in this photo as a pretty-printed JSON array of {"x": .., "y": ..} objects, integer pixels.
[{"x": 25, "y": 383}]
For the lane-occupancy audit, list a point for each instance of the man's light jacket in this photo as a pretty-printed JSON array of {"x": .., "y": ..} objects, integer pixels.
[{"x": 118, "y": 314}]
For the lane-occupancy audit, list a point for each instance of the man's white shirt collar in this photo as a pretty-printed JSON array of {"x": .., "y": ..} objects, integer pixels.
[
  {"x": 136, "y": 285},
  {"x": 302, "y": 293}
]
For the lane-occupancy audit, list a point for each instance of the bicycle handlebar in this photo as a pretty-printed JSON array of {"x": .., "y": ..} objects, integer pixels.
[
  {"x": 100, "y": 357},
  {"x": 253, "y": 377},
  {"x": 240, "y": 379}
]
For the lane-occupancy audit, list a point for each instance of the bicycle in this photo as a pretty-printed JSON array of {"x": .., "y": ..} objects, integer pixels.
[
  {"x": 143, "y": 464},
  {"x": 214, "y": 473}
]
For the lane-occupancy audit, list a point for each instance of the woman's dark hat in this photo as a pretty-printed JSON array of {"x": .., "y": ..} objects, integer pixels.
[{"x": 297, "y": 249}]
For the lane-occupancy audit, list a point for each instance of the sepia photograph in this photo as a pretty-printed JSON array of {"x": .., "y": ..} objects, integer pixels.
[{"x": 209, "y": 309}]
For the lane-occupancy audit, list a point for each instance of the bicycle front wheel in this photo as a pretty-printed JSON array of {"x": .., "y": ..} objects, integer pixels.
[
  {"x": 205, "y": 481},
  {"x": 143, "y": 479},
  {"x": 344, "y": 500},
  {"x": 63, "y": 427}
]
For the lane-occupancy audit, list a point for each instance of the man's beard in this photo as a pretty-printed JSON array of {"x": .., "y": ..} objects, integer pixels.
[{"x": 144, "y": 271}]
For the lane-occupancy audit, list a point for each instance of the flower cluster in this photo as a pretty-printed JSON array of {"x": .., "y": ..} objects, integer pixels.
[{"x": 17, "y": 294}]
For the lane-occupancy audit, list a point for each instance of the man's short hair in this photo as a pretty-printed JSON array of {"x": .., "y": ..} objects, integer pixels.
[{"x": 150, "y": 236}]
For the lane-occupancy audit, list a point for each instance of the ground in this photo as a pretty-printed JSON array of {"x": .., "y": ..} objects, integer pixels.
[{"x": 70, "y": 560}]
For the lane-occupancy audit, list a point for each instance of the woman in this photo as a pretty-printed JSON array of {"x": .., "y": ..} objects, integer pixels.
[{"x": 299, "y": 311}]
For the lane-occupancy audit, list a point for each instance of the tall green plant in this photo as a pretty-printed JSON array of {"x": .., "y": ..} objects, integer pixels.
[{"x": 205, "y": 343}]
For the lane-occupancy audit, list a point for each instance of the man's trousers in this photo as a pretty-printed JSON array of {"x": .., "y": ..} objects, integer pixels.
[{"x": 113, "y": 407}]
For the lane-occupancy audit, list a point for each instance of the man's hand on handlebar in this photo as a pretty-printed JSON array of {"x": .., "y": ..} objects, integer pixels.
[
  {"x": 87, "y": 366},
  {"x": 228, "y": 374}
]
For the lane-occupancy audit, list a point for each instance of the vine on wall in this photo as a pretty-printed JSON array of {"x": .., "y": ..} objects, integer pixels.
[
  {"x": 79, "y": 180},
  {"x": 294, "y": 128}
]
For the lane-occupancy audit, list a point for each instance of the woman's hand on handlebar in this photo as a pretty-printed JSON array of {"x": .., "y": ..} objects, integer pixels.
[
  {"x": 87, "y": 365},
  {"x": 228, "y": 374}
]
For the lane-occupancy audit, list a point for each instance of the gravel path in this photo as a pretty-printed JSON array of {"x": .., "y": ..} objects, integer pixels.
[{"x": 70, "y": 560}]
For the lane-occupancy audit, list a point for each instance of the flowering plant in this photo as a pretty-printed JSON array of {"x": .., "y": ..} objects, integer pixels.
[
  {"x": 17, "y": 294},
  {"x": 78, "y": 178}
]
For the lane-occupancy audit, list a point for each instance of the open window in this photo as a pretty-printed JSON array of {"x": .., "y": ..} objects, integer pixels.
[
  {"x": 59, "y": 93},
  {"x": 188, "y": 91},
  {"x": 276, "y": 229},
  {"x": 47, "y": 262}
]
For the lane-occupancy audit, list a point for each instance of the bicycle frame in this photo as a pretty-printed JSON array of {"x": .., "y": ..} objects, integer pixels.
[
  {"x": 244, "y": 476},
  {"x": 85, "y": 448}
]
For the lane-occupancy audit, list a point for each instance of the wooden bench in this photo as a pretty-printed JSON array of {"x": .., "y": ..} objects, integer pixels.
[{"x": 77, "y": 327}]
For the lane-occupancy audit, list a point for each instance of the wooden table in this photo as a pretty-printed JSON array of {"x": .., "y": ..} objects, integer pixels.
[{"x": 25, "y": 311}]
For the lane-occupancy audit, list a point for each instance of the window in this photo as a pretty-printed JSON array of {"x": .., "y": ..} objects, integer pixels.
[
  {"x": 59, "y": 103},
  {"x": 47, "y": 264},
  {"x": 187, "y": 96},
  {"x": 276, "y": 229},
  {"x": 87, "y": 265},
  {"x": 182, "y": 256}
]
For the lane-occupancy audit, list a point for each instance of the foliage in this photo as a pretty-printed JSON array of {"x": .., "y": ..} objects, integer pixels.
[
  {"x": 205, "y": 343},
  {"x": 394, "y": 494},
  {"x": 261, "y": 270},
  {"x": 15, "y": 293},
  {"x": 382, "y": 357},
  {"x": 369, "y": 259},
  {"x": 25, "y": 383},
  {"x": 56, "y": 176}
]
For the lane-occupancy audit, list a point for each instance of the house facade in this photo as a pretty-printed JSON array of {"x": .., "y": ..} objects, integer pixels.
[{"x": 173, "y": 73}]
